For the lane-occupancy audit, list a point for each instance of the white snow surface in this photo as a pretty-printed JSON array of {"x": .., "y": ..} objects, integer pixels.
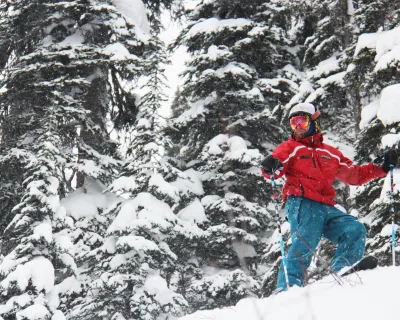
[
  {"x": 118, "y": 51},
  {"x": 137, "y": 243},
  {"x": 73, "y": 40},
  {"x": 385, "y": 108},
  {"x": 157, "y": 181},
  {"x": 39, "y": 270},
  {"x": 383, "y": 42},
  {"x": 124, "y": 183},
  {"x": 324, "y": 68},
  {"x": 58, "y": 315},
  {"x": 237, "y": 148},
  {"x": 367, "y": 295},
  {"x": 33, "y": 312},
  {"x": 391, "y": 58},
  {"x": 21, "y": 300},
  {"x": 191, "y": 182},
  {"x": 385, "y": 192},
  {"x": 135, "y": 12},
  {"x": 157, "y": 287},
  {"x": 43, "y": 230},
  {"x": 244, "y": 250},
  {"x": 197, "y": 109},
  {"x": 387, "y": 230},
  {"x": 368, "y": 113},
  {"x": 69, "y": 285},
  {"x": 145, "y": 206},
  {"x": 389, "y": 111},
  {"x": 213, "y": 24},
  {"x": 336, "y": 78},
  {"x": 193, "y": 213},
  {"x": 51, "y": 183},
  {"x": 390, "y": 139},
  {"x": 85, "y": 202}
]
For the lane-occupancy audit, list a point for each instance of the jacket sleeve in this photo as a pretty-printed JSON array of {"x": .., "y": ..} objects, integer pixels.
[{"x": 353, "y": 174}]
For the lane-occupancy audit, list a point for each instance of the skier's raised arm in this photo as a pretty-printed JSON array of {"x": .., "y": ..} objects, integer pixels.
[{"x": 353, "y": 174}]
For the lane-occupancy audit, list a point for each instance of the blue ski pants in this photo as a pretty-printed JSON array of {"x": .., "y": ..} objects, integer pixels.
[{"x": 309, "y": 221}]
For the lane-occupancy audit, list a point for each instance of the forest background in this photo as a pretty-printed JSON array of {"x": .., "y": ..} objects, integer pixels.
[{"x": 110, "y": 209}]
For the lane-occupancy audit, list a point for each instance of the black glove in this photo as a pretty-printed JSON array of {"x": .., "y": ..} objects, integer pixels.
[
  {"x": 390, "y": 159},
  {"x": 270, "y": 164}
]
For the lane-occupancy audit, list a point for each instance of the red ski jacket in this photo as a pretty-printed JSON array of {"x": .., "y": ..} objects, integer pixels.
[{"x": 311, "y": 166}]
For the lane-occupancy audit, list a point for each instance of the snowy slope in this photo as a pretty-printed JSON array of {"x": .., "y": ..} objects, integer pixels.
[{"x": 368, "y": 295}]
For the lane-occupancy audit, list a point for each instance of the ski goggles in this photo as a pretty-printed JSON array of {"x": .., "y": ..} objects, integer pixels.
[{"x": 301, "y": 122}]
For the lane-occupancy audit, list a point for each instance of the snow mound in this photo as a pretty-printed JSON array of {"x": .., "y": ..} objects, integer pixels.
[{"x": 366, "y": 295}]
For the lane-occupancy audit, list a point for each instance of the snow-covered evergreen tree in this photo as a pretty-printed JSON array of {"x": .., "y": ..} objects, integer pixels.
[
  {"x": 146, "y": 242},
  {"x": 374, "y": 66},
  {"x": 72, "y": 58},
  {"x": 35, "y": 252},
  {"x": 325, "y": 32},
  {"x": 241, "y": 74},
  {"x": 84, "y": 52},
  {"x": 132, "y": 269}
]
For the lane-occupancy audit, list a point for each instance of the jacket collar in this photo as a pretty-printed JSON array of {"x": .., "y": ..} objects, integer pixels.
[{"x": 314, "y": 140}]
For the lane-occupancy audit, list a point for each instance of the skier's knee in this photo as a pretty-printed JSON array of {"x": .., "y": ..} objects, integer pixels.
[
  {"x": 355, "y": 230},
  {"x": 361, "y": 230},
  {"x": 358, "y": 230}
]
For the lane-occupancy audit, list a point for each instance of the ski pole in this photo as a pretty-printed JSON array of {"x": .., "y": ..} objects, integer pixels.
[
  {"x": 393, "y": 216},
  {"x": 323, "y": 261},
  {"x": 284, "y": 261}
]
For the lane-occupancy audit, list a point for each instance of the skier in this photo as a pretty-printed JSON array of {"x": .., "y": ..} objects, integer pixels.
[{"x": 310, "y": 167}]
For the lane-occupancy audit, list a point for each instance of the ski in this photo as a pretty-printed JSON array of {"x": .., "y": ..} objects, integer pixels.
[{"x": 366, "y": 263}]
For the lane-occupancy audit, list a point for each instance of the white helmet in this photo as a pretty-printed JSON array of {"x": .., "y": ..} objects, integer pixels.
[{"x": 305, "y": 107}]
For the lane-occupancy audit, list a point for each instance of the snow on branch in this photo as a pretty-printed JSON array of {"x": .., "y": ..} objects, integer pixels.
[{"x": 383, "y": 42}]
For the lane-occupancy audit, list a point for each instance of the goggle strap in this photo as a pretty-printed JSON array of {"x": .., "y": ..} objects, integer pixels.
[{"x": 315, "y": 115}]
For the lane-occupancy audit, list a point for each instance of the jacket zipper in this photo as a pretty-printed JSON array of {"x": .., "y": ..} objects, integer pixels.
[{"x": 313, "y": 161}]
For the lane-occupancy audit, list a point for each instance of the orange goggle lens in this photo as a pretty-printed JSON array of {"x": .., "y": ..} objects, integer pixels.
[{"x": 301, "y": 122}]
